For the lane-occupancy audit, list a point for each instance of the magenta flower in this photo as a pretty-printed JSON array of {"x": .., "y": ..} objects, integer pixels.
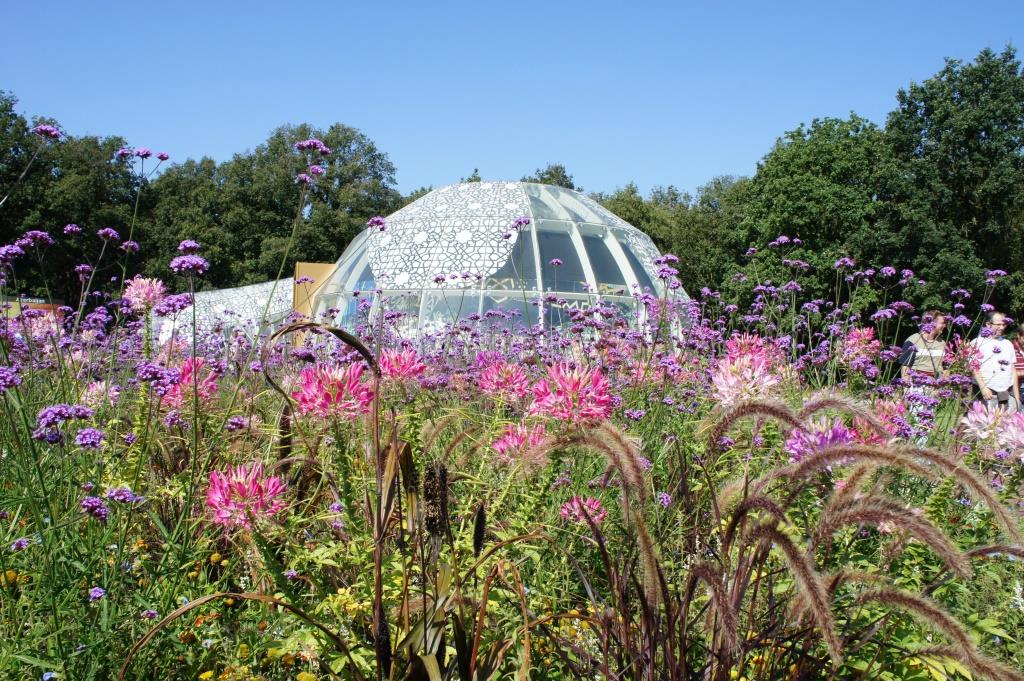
[
  {"x": 401, "y": 365},
  {"x": 243, "y": 495},
  {"x": 163, "y": 156},
  {"x": 505, "y": 380},
  {"x": 108, "y": 234},
  {"x": 143, "y": 152},
  {"x": 516, "y": 441},
  {"x": 333, "y": 391},
  {"x": 572, "y": 394},
  {"x": 579, "y": 509},
  {"x": 316, "y": 170},
  {"x": 376, "y": 222},
  {"x": 72, "y": 228},
  {"x": 181, "y": 393},
  {"x": 144, "y": 294}
]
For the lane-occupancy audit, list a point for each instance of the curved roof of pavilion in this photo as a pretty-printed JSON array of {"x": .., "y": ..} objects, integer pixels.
[{"x": 460, "y": 238}]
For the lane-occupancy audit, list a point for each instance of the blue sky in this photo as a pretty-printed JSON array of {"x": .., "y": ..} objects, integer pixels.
[{"x": 654, "y": 93}]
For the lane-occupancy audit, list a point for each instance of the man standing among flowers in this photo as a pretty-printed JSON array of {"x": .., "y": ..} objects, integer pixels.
[
  {"x": 996, "y": 375},
  {"x": 924, "y": 351}
]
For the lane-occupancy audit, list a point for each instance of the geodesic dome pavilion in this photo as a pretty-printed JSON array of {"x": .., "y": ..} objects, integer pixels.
[{"x": 454, "y": 253}]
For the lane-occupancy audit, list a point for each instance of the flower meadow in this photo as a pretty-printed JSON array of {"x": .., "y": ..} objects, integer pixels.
[{"x": 699, "y": 489}]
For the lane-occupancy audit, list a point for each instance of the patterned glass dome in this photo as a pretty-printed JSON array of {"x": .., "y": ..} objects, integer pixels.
[{"x": 455, "y": 253}]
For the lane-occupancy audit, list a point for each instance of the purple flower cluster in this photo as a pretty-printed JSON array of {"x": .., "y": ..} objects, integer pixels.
[
  {"x": 9, "y": 378},
  {"x": 123, "y": 495},
  {"x": 35, "y": 237},
  {"x": 47, "y": 131},
  {"x": 313, "y": 144},
  {"x": 108, "y": 234},
  {"x": 189, "y": 247},
  {"x": 89, "y": 438},
  {"x": 51, "y": 418},
  {"x": 376, "y": 222},
  {"x": 130, "y": 246},
  {"x": 72, "y": 228},
  {"x": 192, "y": 264},
  {"x": 172, "y": 305},
  {"x": 95, "y": 507}
]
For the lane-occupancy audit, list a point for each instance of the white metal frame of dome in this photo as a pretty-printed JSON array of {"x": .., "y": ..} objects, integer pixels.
[{"x": 466, "y": 229}]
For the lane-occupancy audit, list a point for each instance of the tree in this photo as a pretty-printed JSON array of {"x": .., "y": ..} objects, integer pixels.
[
  {"x": 244, "y": 209},
  {"x": 553, "y": 173},
  {"x": 958, "y": 139}
]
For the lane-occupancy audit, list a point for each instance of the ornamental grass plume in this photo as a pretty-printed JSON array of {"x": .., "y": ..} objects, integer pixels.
[
  {"x": 180, "y": 394},
  {"x": 504, "y": 380},
  {"x": 329, "y": 392},
  {"x": 401, "y": 365},
  {"x": 242, "y": 494},
  {"x": 570, "y": 393}
]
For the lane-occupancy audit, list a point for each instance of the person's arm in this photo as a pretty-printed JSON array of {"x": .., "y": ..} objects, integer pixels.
[
  {"x": 985, "y": 392},
  {"x": 908, "y": 352}
]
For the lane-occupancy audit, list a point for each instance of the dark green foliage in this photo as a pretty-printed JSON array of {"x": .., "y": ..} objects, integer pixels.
[{"x": 553, "y": 173}]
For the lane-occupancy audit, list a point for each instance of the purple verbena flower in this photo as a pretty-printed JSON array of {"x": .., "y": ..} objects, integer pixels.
[
  {"x": 192, "y": 264},
  {"x": 89, "y": 438},
  {"x": 108, "y": 234},
  {"x": 95, "y": 507},
  {"x": 47, "y": 131}
]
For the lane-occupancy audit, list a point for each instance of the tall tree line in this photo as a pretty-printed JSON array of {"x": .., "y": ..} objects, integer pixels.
[{"x": 939, "y": 189}]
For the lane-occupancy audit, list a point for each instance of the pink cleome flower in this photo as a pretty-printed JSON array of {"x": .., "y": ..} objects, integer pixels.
[
  {"x": 401, "y": 365},
  {"x": 242, "y": 495},
  {"x": 180, "y": 394},
  {"x": 572, "y": 394},
  {"x": 577, "y": 509},
  {"x": 144, "y": 294},
  {"x": 504, "y": 380},
  {"x": 981, "y": 423},
  {"x": 333, "y": 391},
  {"x": 517, "y": 440}
]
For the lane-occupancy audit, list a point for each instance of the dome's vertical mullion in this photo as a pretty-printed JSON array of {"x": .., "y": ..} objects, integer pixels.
[
  {"x": 581, "y": 253},
  {"x": 536, "y": 251}
]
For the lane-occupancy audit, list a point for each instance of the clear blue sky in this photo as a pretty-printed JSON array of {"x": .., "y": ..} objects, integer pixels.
[{"x": 655, "y": 93}]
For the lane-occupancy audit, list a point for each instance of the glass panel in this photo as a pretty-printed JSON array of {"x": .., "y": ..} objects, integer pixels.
[
  {"x": 610, "y": 278},
  {"x": 543, "y": 204},
  {"x": 569, "y": 275},
  {"x": 560, "y": 313},
  {"x": 365, "y": 282},
  {"x": 519, "y": 271},
  {"x": 442, "y": 308},
  {"x": 510, "y": 310},
  {"x": 641, "y": 274}
]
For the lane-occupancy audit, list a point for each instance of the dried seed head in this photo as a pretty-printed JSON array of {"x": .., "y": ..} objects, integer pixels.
[
  {"x": 435, "y": 499},
  {"x": 479, "y": 529}
]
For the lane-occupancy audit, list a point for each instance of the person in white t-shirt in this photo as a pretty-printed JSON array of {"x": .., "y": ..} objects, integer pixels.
[{"x": 995, "y": 375}]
